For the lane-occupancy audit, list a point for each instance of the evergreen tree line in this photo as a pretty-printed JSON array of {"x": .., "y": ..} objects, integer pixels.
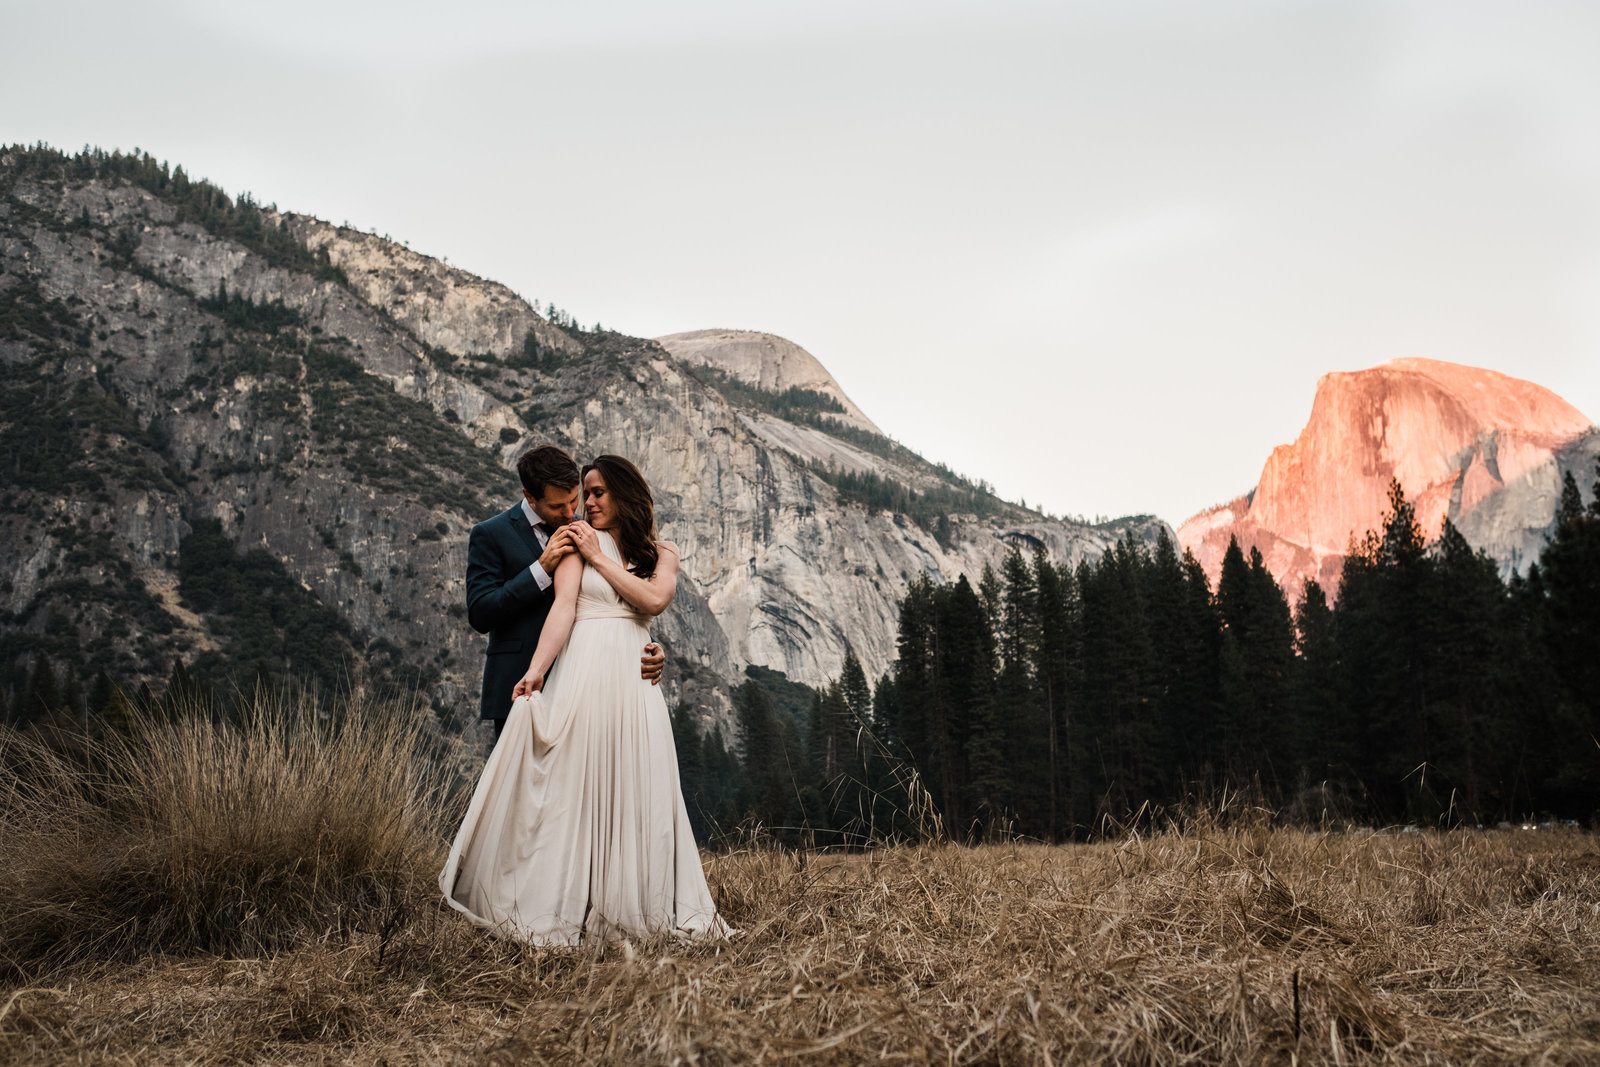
[
  {"x": 826, "y": 777},
  {"x": 1053, "y": 701},
  {"x": 243, "y": 313},
  {"x": 196, "y": 200},
  {"x": 56, "y": 699}
]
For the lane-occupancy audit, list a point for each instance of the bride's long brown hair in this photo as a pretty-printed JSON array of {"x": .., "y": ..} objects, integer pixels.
[{"x": 635, "y": 510}]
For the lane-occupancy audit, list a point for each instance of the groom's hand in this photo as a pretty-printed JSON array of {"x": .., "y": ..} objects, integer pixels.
[
  {"x": 651, "y": 663},
  {"x": 556, "y": 549}
]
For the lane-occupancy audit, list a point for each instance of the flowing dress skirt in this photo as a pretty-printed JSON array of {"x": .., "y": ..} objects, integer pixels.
[{"x": 578, "y": 827}]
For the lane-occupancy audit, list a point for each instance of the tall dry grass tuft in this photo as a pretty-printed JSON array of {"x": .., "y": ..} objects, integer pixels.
[{"x": 289, "y": 818}]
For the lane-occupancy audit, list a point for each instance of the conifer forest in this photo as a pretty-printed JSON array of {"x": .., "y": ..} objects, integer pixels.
[{"x": 1058, "y": 703}]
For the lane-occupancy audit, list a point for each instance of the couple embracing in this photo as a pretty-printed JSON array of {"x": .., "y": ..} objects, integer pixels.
[{"x": 577, "y": 828}]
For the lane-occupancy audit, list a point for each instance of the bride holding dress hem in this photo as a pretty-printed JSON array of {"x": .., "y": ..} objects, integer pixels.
[{"x": 577, "y": 828}]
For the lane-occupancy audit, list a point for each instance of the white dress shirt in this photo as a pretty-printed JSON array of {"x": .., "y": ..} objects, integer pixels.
[{"x": 543, "y": 535}]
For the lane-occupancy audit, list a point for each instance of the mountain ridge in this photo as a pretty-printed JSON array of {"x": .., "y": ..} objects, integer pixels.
[
  {"x": 347, "y": 409},
  {"x": 767, "y": 361}
]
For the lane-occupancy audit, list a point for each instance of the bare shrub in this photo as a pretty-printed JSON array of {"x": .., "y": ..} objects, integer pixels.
[{"x": 206, "y": 834}]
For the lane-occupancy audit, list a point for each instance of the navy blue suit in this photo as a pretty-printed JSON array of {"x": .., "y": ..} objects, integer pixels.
[{"x": 505, "y": 602}]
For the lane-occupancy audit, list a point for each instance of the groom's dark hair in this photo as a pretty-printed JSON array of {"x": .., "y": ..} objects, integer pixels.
[{"x": 546, "y": 465}]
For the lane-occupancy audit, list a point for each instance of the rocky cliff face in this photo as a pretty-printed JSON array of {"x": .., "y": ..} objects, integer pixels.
[
  {"x": 764, "y": 360},
  {"x": 182, "y": 371},
  {"x": 1484, "y": 449}
]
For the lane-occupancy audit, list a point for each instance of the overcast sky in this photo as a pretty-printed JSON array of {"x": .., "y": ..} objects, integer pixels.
[{"x": 1097, "y": 253}]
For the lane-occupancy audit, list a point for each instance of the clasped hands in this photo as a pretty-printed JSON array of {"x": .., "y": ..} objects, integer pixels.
[{"x": 576, "y": 536}]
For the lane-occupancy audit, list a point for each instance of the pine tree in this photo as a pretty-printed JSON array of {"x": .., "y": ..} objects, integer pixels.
[
  {"x": 1403, "y": 542},
  {"x": 1123, "y": 755},
  {"x": 1571, "y": 565},
  {"x": 822, "y": 742},
  {"x": 144, "y": 701},
  {"x": 1324, "y": 740},
  {"x": 1056, "y": 671},
  {"x": 1233, "y": 587},
  {"x": 688, "y": 746},
  {"x": 923, "y": 722},
  {"x": 1201, "y": 704},
  {"x": 1544, "y": 746},
  {"x": 886, "y": 714},
  {"x": 966, "y": 677},
  {"x": 798, "y": 785},
  {"x": 72, "y": 702},
  {"x": 722, "y": 783},
  {"x": 1017, "y": 632},
  {"x": 890, "y": 768},
  {"x": 1019, "y": 712},
  {"x": 1470, "y": 700},
  {"x": 1231, "y": 744},
  {"x": 863, "y": 765},
  {"x": 1271, "y": 658},
  {"x": 1385, "y": 633},
  {"x": 815, "y": 814},
  {"x": 767, "y": 792},
  {"x": 108, "y": 706},
  {"x": 686, "y": 742},
  {"x": 838, "y": 756},
  {"x": 41, "y": 699},
  {"x": 101, "y": 694},
  {"x": 819, "y": 748},
  {"x": 1183, "y": 634},
  {"x": 825, "y": 736},
  {"x": 989, "y": 592},
  {"x": 857, "y": 690}
]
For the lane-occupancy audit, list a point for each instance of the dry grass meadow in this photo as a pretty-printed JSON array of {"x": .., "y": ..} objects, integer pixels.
[{"x": 263, "y": 892}]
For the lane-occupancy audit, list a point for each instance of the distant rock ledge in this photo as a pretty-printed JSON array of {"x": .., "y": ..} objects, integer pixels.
[
  {"x": 1482, "y": 448},
  {"x": 764, "y": 360}
]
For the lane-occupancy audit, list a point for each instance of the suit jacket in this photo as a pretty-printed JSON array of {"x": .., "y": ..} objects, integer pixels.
[{"x": 505, "y": 602}]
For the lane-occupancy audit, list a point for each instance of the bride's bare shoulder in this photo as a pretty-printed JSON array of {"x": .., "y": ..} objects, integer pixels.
[{"x": 669, "y": 546}]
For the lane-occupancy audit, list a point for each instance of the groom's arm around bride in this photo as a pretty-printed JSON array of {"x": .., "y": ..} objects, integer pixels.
[{"x": 511, "y": 560}]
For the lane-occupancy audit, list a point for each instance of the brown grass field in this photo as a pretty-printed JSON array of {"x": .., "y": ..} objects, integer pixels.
[{"x": 264, "y": 892}]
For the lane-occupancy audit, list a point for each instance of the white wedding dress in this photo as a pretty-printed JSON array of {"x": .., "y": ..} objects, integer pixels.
[{"x": 578, "y": 828}]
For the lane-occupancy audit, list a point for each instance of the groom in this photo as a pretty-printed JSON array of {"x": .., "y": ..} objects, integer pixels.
[{"x": 511, "y": 564}]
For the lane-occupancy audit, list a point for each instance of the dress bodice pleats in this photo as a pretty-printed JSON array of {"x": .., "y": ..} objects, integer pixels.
[{"x": 596, "y": 598}]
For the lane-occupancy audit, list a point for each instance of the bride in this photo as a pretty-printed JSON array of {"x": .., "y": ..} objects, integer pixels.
[{"x": 577, "y": 828}]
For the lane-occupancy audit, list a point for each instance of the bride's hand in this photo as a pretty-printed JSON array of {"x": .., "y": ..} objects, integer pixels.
[
  {"x": 530, "y": 683},
  {"x": 585, "y": 539}
]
